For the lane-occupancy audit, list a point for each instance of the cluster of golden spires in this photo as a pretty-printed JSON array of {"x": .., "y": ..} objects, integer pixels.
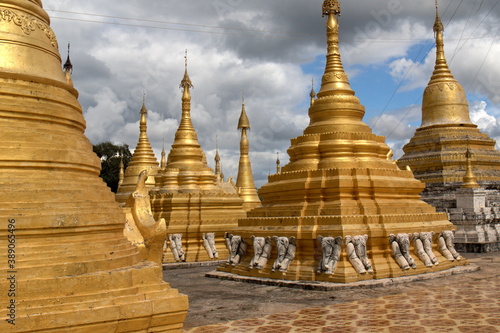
[
  {"x": 193, "y": 199},
  {"x": 185, "y": 191}
]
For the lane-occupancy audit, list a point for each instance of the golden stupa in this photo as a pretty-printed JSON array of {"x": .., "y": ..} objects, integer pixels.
[
  {"x": 196, "y": 203},
  {"x": 69, "y": 267},
  {"x": 142, "y": 159},
  {"x": 458, "y": 164},
  {"x": 437, "y": 152},
  {"x": 341, "y": 210},
  {"x": 245, "y": 182}
]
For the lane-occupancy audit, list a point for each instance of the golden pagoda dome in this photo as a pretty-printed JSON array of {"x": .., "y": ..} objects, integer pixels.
[
  {"x": 444, "y": 102},
  {"x": 73, "y": 269}
]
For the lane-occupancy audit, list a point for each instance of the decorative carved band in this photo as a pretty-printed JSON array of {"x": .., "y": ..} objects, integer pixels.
[{"x": 28, "y": 24}]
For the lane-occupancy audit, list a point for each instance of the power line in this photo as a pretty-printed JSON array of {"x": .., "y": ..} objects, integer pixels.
[
  {"x": 484, "y": 59},
  {"x": 257, "y": 33},
  {"x": 477, "y": 27},
  {"x": 404, "y": 78},
  {"x": 177, "y": 23}
]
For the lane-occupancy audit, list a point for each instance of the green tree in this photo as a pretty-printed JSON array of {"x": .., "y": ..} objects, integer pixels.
[{"x": 110, "y": 155}]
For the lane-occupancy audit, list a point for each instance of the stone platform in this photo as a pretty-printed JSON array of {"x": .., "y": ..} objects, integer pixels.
[
  {"x": 329, "y": 286},
  {"x": 456, "y": 303}
]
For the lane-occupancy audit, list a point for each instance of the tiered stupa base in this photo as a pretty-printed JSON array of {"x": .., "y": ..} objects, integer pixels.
[
  {"x": 74, "y": 271},
  {"x": 194, "y": 214},
  {"x": 308, "y": 253}
]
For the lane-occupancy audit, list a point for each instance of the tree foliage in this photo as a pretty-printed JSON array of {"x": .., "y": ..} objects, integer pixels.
[{"x": 110, "y": 155}]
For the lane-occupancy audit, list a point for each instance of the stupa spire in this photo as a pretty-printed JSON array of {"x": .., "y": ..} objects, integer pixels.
[
  {"x": 143, "y": 123},
  {"x": 186, "y": 134},
  {"x": 470, "y": 180},
  {"x": 313, "y": 93},
  {"x": 186, "y": 151},
  {"x": 121, "y": 172},
  {"x": 187, "y": 168},
  {"x": 334, "y": 79},
  {"x": 441, "y": 68},
  {"x": 68, "y": 68},
  {"x": 444, "y": 101},
  {"x": 278, "y": 163},
  {"x": 218, "y": 171},
  {"x": 142, "y": 159},
  {"x": 163, "y": 162},
  {"x": 339, "y": 109},
  {"x": 336, "y": 108},
  {"x": 245, "y": 181}
]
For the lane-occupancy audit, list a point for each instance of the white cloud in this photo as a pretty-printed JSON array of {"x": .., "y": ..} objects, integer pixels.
[
  {"x": 105, "y": 118},
  {"x": 486, "y": 122}
]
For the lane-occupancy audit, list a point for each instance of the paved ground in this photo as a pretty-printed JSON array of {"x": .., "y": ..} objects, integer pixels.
[{"x": 214, "y": 301}]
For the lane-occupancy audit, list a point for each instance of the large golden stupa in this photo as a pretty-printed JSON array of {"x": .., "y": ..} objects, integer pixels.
[
  {"x": 195, "y": 202},
  {"x": 437, "y": 152},
  {"x": 341, "y": 210},
  {"x": 458, "y": 164},
  {"x": 69, "y": 266},
  {"x": 142, "y": 159}
]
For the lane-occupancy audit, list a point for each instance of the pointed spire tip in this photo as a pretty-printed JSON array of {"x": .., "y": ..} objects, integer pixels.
[{"x": 68, "y": 66}]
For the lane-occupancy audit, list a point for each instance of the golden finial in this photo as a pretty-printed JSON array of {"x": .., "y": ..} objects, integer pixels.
[
  {"x": 186, "y": 81},
  {"x": 244, "y": 122},
  {"x": 68, "y": 69},
  {"x": 218, "y": 170},
  {"x": 143, "y": 108},
  {"x": 144, "y": 112},
  {"x": 313, "y": 93},
  {"x": 68, "y": 66},
  {"x": 163, "y": 162},
  {"x": 438, "y": 25},
  {"x": 331, "y": 7},
  {"x": 217, "y": 157},
  {"x": 278, "y": 163}
]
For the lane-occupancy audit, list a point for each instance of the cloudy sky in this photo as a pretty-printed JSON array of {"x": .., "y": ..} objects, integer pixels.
[{"x": 270, "y": 50}]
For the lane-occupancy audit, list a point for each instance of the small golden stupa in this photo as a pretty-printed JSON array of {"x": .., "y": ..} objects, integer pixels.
[
  {"x": 197, "y": 205},
  {"x": 245, "y": 182},
  {"x": 437, "y": 152},
  {"x": 70, "y": 269},
  {"x": 341, "y": 210},
  {"x": 142, "y": 159}
]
